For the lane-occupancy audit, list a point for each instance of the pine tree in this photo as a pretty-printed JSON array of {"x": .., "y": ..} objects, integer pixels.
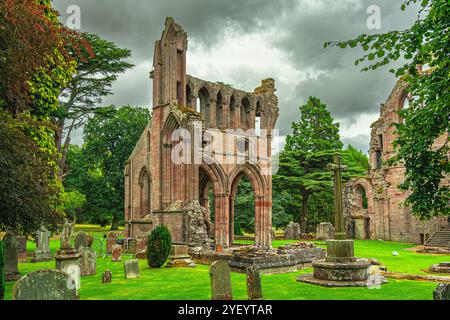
[{"x": 303, "y": 161}]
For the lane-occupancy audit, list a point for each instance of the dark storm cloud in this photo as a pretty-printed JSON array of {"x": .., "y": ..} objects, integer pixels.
[{"x": 300, "y": 28}]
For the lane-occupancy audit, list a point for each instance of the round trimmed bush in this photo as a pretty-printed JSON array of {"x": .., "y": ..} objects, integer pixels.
[{"x": 159, "y": 242}]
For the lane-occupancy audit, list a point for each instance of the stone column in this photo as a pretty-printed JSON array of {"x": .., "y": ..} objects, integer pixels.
[{"x": 221, "y": 228}]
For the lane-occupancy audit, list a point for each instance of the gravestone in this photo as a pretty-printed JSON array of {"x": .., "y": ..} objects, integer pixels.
[
  {"x": 442, "y": 292},
  {"x": 116, "y": 253},
  {"x": 22, "y": 248},
  {"x": 83, "y": 240},
  {"x": 45, "y": 285},
  {"x": 106, "y": 276},
  {"x": 325, "y": 231},
  {"x": 11, "y": 258},
  {"x": 292, "y": 231},
  {"x": 179, "y": 257},
  {"x": 67, "y": 258},
  {"x": 131, "y": 269},
  {"x": 88, "y": 262},
  {"x": 42, "y": 252},
  {"x": 219, "y": 272},
  {"x": 111, "y": 238},
  {"x": 254, "y": 290}
]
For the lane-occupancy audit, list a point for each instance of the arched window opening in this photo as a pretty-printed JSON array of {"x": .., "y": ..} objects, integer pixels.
[
  {"x": 245, "y": 111},
  {"x": 361, "y": 197},
  {"x": 145, "y": 193},
  {"x": 258, "y": 119},
  {"x": 188, "y": 96},
  {"x": 204, "y": 101},
  {"x": 231, "y": 114},
  {"x": 219, "y": 112}
]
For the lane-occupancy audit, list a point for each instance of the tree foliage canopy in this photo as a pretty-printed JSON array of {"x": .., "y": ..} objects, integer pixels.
[{"x": 426, "y": 43}]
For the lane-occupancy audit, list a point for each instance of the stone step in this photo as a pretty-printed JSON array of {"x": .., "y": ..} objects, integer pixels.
[{"x": 440, "y": 238}]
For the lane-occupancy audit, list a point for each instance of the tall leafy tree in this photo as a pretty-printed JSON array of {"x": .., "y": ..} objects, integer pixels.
[
  {"x": 87, "y": 88},
  {"x": 109, "y": 142},
  {"x": 425, "y": 43},
  {"x": 307, "y": 151}
]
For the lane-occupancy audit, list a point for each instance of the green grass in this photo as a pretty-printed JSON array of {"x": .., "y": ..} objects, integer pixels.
[
  {"x": 194, "y": 283},
  {"x": 407, "y": 262}
]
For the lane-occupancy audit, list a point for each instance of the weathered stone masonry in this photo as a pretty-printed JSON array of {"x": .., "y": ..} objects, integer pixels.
[
  {"x": 384, "y": 215},
  {"x": 159, "y": 191}
]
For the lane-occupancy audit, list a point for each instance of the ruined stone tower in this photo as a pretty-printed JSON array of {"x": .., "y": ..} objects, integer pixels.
[{"x": 224, "y": 134}]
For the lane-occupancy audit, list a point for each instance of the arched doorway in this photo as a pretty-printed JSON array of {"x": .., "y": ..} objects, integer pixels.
[
  {"x": 262, "y": 205},
  {"x": 242, "y": 209}
]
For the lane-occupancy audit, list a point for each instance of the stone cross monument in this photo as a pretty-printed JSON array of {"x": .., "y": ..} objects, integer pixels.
[
  {"x": 340, "y": 268},
  {"x": 336, "y": 167}
]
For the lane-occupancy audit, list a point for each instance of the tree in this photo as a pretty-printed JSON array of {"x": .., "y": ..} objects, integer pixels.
[
  {"x": 425, "y": 43},
  {"x": 87, "y": 88},
  {"x": 359, "y": 157},
  {"x": 28, "y": 196},
  {"x": 109, "y": 142},
  {"x": 306, "y": 153}
]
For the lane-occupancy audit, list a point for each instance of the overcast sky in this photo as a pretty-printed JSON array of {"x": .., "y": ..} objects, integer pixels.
[{"x": 241, "y": 42}]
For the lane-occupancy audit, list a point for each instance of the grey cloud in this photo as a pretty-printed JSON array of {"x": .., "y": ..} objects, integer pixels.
[
  {"x": 301, "y": 28},
  {"x": 360, "y": 142}
]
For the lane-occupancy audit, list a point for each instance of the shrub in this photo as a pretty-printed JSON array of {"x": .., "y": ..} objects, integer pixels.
[
  {"x": 159, "y": 243},
  {"x": 2, "y": 270}
]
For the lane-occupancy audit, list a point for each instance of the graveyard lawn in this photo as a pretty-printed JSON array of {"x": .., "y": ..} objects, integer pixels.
[{"x": 194, "y": 283}]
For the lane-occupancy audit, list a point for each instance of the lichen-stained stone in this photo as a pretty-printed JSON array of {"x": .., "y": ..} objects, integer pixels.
[
  {"x": 254, "y": 289},
  {"x": 116, "y": 253},
  {"x": 107, "y": 276},
  {"x": 442, "y": 292},
  {"x": 11, "y": 257},
  {"x": 45, "y": 285},
  {"x": 88, "y": 262},
  {"x": 131, "y": 269},
  {"x": 219, "y": 272},
  {"x": 83, "y": 240}
]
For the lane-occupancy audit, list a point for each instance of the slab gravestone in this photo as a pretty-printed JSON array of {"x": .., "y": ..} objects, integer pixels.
[
  {"x": 292, "y": 231},
  {"x": 88, "y": 262},
  {"x": 42, "y": 252},
  {"x": 83, "y": 240},
  {"x": 22, "y": 248},
  {"x": 179, "y": 257},
  {"x": 325, "y": 231},
  {"x": 254, "y": 290},
  {"x": 11, "y": 258},
  {"x": 131, "y": 269},
  {"x": 106, "y": 276},
  {"x": 442, "y": 292},
  {"x": 116, "y": 253},
  {"x": 111, "y": 238},
  {"x": 45, "y": 285},
  {"x": 219, "y": 272}
]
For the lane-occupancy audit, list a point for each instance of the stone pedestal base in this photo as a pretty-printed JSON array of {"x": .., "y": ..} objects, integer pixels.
[
  {"x": 179, "y": 257},
  {"x": 443, "y": 267},
  {"x": 41, "y": 256},
  {"x": 340, "y": 268},
  {"x": 68, "y": 261}
]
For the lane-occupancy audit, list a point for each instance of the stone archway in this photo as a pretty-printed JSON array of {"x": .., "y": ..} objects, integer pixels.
[
  {"x": 263, "y": 205},
  {"x": 362, "y": 214}
]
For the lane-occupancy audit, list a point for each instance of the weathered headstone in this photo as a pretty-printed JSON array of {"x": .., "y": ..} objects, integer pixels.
[
  {"x": 42, "y": 252},
  {"x": 442, "y": 292},
  {"x": 11, "y": 258},
  {"x": 220, "y": 280},
  {"x": 45, "y": 285},
  {"x": 82, "y": 240},
  {"x": 67, "y": 258},
  {"x": 88, "y": 262},
  {"x": 179, "y": 257},
  {"x": 106, "y": 276},
  {"x": 116, "y": 253},
  {"x": 325, "y": 231},
  {"x": 22, "y": 248},
  {"x": 292, "y": 231},
  {"x": 131, "y": 269},
  {"x": 111, "y": 238},
  {"x": 254, "y": 290}
]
